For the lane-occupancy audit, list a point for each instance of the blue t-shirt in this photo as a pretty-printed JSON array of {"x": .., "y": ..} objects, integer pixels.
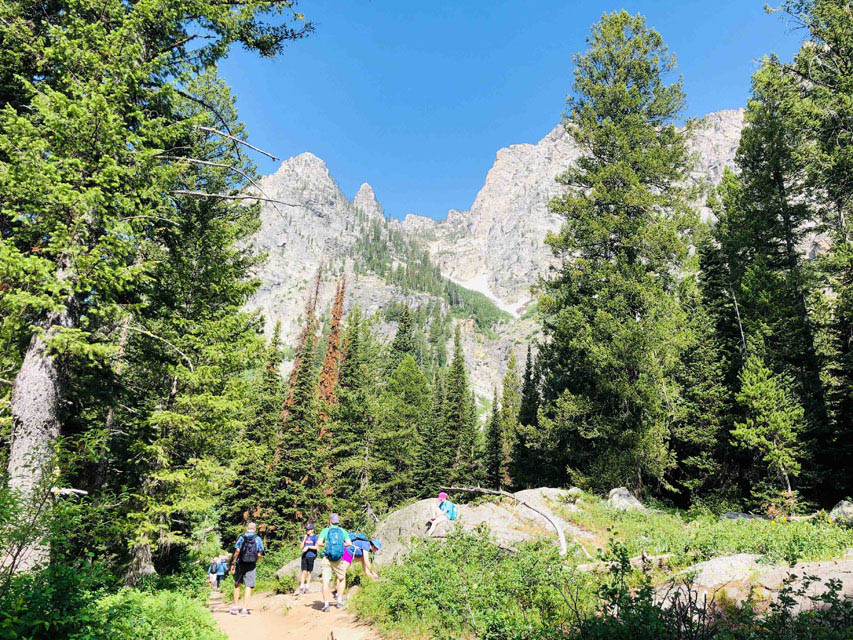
[
  {"x": 221, "y": 568},
  {"x": 240, "y": 540},
  {"x": 310, "y": 553}
]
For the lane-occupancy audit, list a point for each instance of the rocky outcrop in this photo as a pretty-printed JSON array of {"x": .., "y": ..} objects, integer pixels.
[
  {"x": 623, "y": 500},
  {"x": 842, "y": 512},
  {"x": 738, "y": 575},
  {"x": 496, "y": 247},
  {"x": 507, "y": 521}
]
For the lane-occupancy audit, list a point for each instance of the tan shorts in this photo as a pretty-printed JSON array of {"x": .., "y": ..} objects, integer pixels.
[{"x": 339, "y": 568}]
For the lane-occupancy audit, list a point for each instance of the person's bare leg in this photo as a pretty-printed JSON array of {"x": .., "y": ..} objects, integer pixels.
[
  {"x": 248, "y": 595},
  {"x": 342, "y": 587},
  {"x": 327, "y": 591},
  {"x": 435, "y": 524},
  {"x": 236, "y": 596}
]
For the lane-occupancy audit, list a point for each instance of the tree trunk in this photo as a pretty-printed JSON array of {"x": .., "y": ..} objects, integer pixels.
[{"x": 37, "y": 399}]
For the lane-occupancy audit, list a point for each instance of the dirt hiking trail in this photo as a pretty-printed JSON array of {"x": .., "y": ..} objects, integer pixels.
[{"x": 287, "y": 617}]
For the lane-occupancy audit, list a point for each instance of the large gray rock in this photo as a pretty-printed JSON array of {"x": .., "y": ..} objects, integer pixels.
[
  {"x": 293, "y": 568},
  {"x": 623, "y": 500},
  {"x": 739, "y": 575},
  {"x": 842, "y": 512},
  {"x": 739, "y": 515},
  {"x": 508, "y": 521}
]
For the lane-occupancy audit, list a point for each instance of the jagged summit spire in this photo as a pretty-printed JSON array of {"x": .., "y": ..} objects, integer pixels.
[{"x": 366, "y": 200}]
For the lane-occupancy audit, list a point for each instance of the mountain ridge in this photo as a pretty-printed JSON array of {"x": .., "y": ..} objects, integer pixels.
[{"x": 495, "y": 248}]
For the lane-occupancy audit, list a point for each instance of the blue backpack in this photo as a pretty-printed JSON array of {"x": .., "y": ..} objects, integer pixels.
[
  {"x": 335, "y": 544},
  {"x": 449, "y": 509}
]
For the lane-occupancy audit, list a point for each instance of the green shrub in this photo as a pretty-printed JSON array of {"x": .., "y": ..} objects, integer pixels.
[
  {"x": 465, "y": 586},
  {"x": 131, "y": 614}
]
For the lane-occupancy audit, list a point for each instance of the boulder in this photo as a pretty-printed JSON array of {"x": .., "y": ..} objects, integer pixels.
[
  {"x": 293, "y": 568},
  {"x": 842, "y": 512},
  {"x": 738, "y": 515},
  {"x": 738, "y": 575},
  {"x": 623, "y": 500},
  {"x": 718, "y": 572},
  {"x": 509, "y": 522}
]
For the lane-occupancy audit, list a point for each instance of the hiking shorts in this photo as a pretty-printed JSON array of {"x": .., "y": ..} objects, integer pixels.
[
  {"x": 245, "y": 574},
  {"x": 339, "y": 568},
  {"x": 308, "y": 563}
]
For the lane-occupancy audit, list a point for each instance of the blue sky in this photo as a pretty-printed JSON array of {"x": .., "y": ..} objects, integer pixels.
[{"x": 417, "y": 97}]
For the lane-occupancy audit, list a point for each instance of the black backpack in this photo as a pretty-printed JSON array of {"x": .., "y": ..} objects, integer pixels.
[{"x": 249, "y": 550}]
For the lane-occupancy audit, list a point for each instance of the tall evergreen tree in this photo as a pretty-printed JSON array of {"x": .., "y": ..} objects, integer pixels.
[
  {"x": 436, "y": 450},
  {"x": 404, "y": 342},
  {"x": 494, "y": 460},
  {"x": 614, "y": 323},
  {"x": 405, "y": 408},
  {"x": 772, "y": 420},
  {"x": 296, "y": 466},
  {"x": 355, "y": 459},
  {"x": 766, "y": 215},
  {"x": 525, "y": 467},
  {"x": 461, "y": 430},
  {"x": 510, "y": 407},
  {"x": 85, "y": 217}
]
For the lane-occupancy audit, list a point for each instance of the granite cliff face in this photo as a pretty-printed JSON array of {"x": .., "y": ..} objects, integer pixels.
[{"x": 495, "y": 248}]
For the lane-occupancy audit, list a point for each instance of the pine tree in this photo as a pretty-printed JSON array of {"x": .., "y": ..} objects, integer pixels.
[
  {"x": 297, "y": 475},
  {"x": 328, "y": 385},
  {"x": 435, "y": 462},
  {"x": 76, "y": 271},
  {"x": 355, "y": 460},
  {"x": 404, "y": 342},
  {"x": 510, "y": 407},
  {"x": 405, "y": 408},
  {"x": 613, "y": 320},
  {"x": 525, "y": 467},
  {"x": 461, "y": 433},
  {"x": 772, "y": 421},
  {"x": 494, "y": 461},
  {"x": 253, "y": 494},
  {"x": 766, "y": 215}
]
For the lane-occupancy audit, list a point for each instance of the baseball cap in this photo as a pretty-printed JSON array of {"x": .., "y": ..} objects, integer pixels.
[
  {"x": 334, "y": 518},
  {"x": 308, "y": 526},
  {"x": 376, "y": 542}
]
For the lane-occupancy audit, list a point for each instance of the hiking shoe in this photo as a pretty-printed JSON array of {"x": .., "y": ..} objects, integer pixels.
[
  {"x": 244, "y": 612},
  {"x": 233, "y": 611},
  {"x": 339, "y": 604},
  {"x": 326, "y": 607}
]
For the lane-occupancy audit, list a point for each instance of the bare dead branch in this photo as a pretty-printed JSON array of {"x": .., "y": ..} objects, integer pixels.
[
  {"x": 506, "y": 494},
  {"x": 156, "y": 337},
  {"x": 222, "y": 196},
  {"x": 236, "y": 139}
]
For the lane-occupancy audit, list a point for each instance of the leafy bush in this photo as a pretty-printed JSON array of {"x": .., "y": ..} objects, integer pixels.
[
  {"x": 131, "y": 614},
  {"x": 466, "y": 586}
]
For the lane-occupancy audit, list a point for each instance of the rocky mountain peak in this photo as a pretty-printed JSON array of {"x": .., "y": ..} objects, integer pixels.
[{"x": 365, "y": 200}]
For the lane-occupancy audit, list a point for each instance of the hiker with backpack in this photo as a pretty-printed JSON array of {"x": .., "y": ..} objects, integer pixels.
[
  {"x": 445, "y": 511},
  {"x": 221, "y": 570},
  {"x": 309, "y": 554},
  {"x": 362, "y": 547},
  {"x": 334, "y": 542},
  {"x": 211, "y": 572},
  {"x": 248, "y": 550}
]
